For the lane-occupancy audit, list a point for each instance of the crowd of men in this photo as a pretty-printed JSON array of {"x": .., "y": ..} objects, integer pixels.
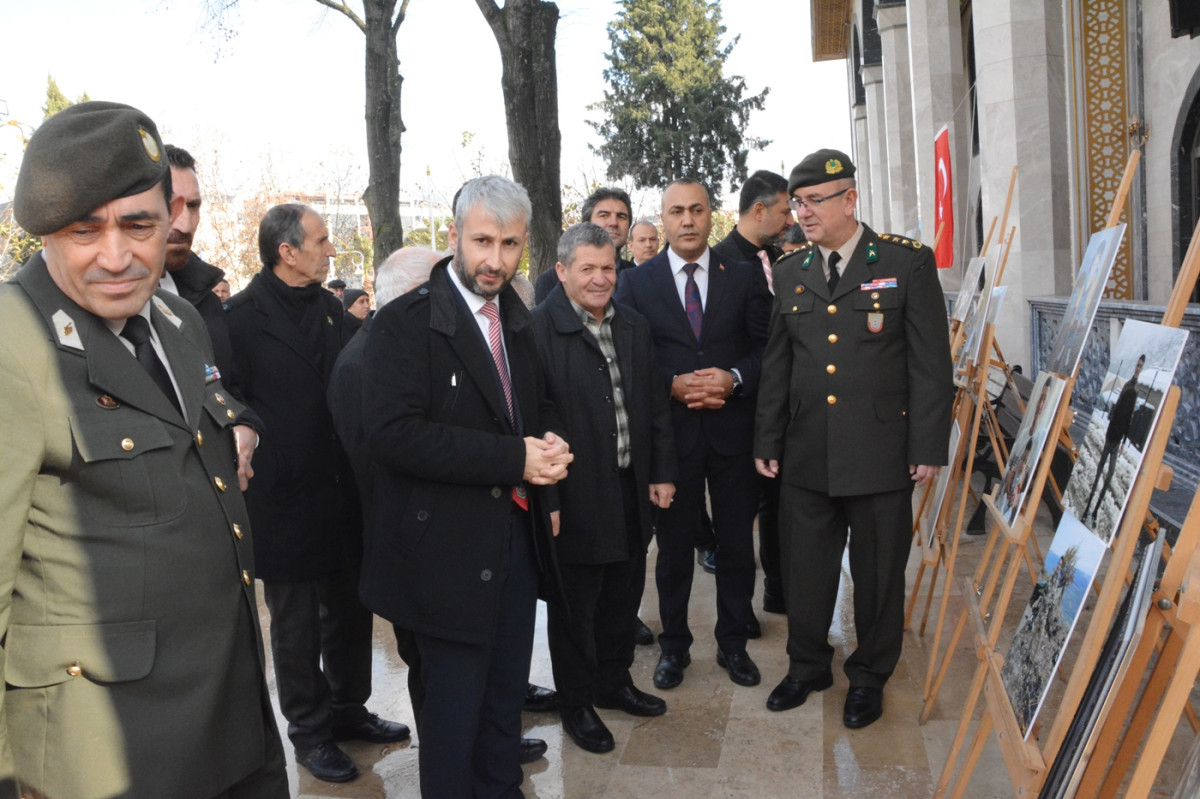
[{"x": 442, "y": 464}]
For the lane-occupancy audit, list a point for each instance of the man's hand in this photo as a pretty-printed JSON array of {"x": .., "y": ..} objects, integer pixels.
[
  {"x": 246, "y": 440},
  {"x": 662, "y": 494},
  {"x": 767, "y": 468},
  {"x": 555, "y": 520},
  {"x": 546, "y": 459},
  {"x": 703, "y": 389},
  {"x": 922, "y": 474}
]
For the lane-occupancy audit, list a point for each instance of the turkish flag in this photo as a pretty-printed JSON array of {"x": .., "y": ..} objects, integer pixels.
[{"x": 943, "y": 193}]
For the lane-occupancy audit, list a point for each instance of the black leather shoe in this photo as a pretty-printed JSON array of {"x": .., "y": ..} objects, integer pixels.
[
  {"x": 773, "y": 603},
  {"x": 373, "y": 730},
  {"x": 532, "y": 749},
  {"x": 753, "y": 629},
  {"x": 707, "y": 559},
  {"x": 633, "y": 702},
  {"x": 587, "y": 730},
  {"x": 740, "y": 667},
  {"x": 792, "y": 692},
  {"x": 327, "y": 763},
  {"x": 540, "y": 700},
  {"x": 863, "y": 706},
  {"x": 669, "y": 671},
  {"x": 642, "y": 635}
]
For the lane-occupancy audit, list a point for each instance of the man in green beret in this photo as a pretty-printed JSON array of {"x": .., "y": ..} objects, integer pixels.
[
  {"x": 853, "y": 410},
  {"x": 132, "y": 657}
]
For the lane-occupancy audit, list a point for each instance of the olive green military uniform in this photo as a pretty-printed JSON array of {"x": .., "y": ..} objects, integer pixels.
[
  {"x": 131, "y": 651},
  {"x": 856, "y": 386}
]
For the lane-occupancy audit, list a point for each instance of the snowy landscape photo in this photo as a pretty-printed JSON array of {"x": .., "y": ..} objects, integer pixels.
[
  {"x": 1028, "y": 445},
  {"x": 1090, "y": 282}
]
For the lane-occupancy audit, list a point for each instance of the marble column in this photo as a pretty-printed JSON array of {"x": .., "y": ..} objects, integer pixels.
[
  {"x": 861, "y": 155},
  {"x": 875, "y": 168},
  {"x": 1020, "y": 67},
  {"x": 897, "y": 97},
  {"x": 939, "y": 89}
]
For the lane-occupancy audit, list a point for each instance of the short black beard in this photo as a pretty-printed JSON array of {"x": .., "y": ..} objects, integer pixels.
[{"x": 468, "y": 281}]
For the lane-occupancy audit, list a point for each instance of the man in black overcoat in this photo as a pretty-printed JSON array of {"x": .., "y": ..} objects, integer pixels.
[
  {"x": 287, "y": 333},
  {"x": 598, "y": 362},
  {"x": 458, "y": 429}
]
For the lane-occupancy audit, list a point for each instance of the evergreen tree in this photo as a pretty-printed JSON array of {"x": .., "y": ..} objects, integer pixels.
[
  {"x": 671, "y": 111},
  {"x": 55, "y": 100}
]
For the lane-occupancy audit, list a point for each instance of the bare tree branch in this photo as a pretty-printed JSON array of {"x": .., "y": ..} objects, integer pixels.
[{"x": 345, "y": 9}]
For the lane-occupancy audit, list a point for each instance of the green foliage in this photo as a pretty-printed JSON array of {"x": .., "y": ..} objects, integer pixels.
[
  {"x": 56, "y": 101},
  {"x": 671, "y": 112},
  {"x": 16, "y": 246}
]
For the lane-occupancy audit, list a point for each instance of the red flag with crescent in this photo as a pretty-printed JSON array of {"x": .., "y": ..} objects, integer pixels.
[{"x": 943, "y": 193}]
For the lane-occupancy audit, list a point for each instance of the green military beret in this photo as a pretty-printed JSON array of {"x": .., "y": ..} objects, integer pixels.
[
  {"x": 83, "y": 157},
  {"x": 820, "y": 167}
]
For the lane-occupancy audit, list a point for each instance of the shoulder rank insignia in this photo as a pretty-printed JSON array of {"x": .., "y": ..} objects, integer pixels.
[
  {"x": 808, "y": 259},
  {"x": 872, "y": 253},
  {"x": 901, "y": 240}
]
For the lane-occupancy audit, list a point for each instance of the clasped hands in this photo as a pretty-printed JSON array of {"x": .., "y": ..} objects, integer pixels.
[
  {"x": 703, "y": 388},
  {"x": 546, "y": 459}
]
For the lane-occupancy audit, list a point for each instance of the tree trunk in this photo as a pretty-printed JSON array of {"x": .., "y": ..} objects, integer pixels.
[
  {"x": 525, "y": 31},
  {"x": 384, "y": 125}
]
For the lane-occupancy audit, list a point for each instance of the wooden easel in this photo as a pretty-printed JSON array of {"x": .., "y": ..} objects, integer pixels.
[
  {"x": 1172, "y": 631},
  {"x": 1059, "y": 432}
]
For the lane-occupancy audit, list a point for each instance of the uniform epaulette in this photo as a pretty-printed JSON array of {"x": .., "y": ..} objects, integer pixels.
[
  {"x": 801, "y": 251},
  {"x": 892, "y": 238}
]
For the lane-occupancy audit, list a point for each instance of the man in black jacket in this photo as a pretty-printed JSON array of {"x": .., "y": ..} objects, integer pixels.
[
  {"x": 303, "y": 502},
  {"x": 598, "y": 363},
  {"x": 609, "y": 208}
]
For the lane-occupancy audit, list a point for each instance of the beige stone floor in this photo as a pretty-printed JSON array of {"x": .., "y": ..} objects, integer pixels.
[{"x": 718, "y": 739}]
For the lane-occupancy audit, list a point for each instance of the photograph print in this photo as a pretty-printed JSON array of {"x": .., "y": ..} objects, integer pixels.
[
  {"x": 966, "y": 292},
  {"x": 1028, "y": 445},
  {"x": 1046, "y": 625},
  {"x": 1110, "y": 455},
  {"x": 1090, "y": 283}
]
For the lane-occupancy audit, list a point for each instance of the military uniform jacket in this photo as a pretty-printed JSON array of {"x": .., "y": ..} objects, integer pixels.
[
  {"x": 444, "y": 459},
  {"x": 576, "y": 374},
  {"x": 856, "y": 385},
  {"x": 131, "y": 651}
]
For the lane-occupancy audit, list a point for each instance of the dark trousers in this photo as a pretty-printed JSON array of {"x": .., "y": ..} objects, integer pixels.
[
  {"x": 268, "y": 782},
  {"x": 591, "y": 648},
  {"x": 470, "y": 718},
  {"x": 768, "y": 535},
  {"x": 733, "y": 488},
  {"x": 321, "y": 646},
  {"x": 812, "y": 542}
]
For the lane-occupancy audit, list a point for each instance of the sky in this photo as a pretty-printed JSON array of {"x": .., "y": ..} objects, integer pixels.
[{"x": 285, "y": 92}]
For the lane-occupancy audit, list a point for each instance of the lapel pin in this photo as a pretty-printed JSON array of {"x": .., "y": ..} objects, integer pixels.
[{"x": 107, "y": 402}]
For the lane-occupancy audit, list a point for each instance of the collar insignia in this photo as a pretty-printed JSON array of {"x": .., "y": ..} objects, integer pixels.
[{"x": 66, "y": 330}]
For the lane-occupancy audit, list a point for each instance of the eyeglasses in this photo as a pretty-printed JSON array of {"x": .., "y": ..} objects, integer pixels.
[{"x": 814, "y": 202}]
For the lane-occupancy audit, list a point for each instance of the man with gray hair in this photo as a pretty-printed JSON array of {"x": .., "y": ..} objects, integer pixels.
[
  {"x": 609, "y": 208},
  {"x": 462, "y": 515},
  {"x": 598, "y": 362}
]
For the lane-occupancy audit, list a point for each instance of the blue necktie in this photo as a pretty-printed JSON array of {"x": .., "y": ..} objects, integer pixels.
[{"x": 691, "y": 297}]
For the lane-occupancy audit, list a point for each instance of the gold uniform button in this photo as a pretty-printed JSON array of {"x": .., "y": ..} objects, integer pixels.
[
  {"x": 832, "y": 400},
  {"x": 127, "y": 444},
  {"x": 237, "y": 531},
  {"x": 245, "y": 577},
  {"x": 199, "y": 439},
  {"x": 833, "y": 338},
  {"x": 830, "y": 368},
  {"x": 220, "y": 400},
  {"x": 75, "y": 669},
  {"x": 832, "y": 309},
  {"x": 795, "y": 308},
  {"x": 219, "y": 483},
  {"x": 231, "y": 414}
]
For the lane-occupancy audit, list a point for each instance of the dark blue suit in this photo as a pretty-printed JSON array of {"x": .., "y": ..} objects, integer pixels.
[{"x": 713, "y": 446}]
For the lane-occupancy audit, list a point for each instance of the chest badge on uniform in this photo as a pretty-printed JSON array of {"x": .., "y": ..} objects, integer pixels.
[
  {"x": 211, "y": 374},
  {"x": 107, "y": 402},
  {"x": 874, "y": 322},
  {"x": 799, "y": 289}
]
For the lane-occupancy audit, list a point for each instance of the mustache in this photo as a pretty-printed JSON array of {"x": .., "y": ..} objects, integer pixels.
[{"x": 175, "y": 237}]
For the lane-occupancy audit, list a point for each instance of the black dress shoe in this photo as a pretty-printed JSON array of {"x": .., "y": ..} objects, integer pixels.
[
  {"x": 773, "y": 603},
  {"x": 327, "y": 763},
  {"x": 707, "y": 559},
  {"x": 540, "y": 700},
  {"x": 740, "y": 667},
  {"x": 669, "y": 671},
  {"x": 863, "y": 706},
  {"x": 792, "y": 692},
  {"x": 753, "y": 629},
  {"x": 372, "y": 729},
  {"x": 587, "y": 730},
  {"x": 633, "y": 702},
  {"x": 532, "y": 749},
  {"x": 642, "y": 635}
]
